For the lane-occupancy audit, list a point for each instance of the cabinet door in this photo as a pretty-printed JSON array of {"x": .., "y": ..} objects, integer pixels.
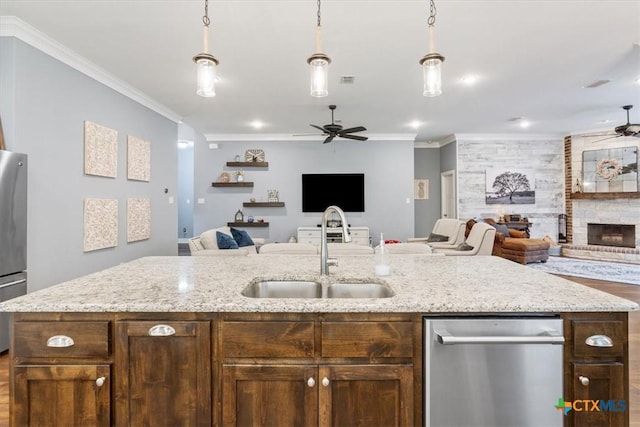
[
  {"x": 61, "y": 395},
  {"x": 603, "y": 382},
  {"x": 168, "y": 380},
  {"x": 371, "y": 395},
  {"x": 270, "y": 395}
]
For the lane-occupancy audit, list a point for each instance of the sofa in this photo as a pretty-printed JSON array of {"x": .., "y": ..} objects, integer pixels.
[
  {"x": 515, "y": 245},
  {"x": 206, "y": 244}
]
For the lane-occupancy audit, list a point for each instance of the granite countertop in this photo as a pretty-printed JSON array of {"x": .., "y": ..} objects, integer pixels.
[{"x": 423, "y": 284}]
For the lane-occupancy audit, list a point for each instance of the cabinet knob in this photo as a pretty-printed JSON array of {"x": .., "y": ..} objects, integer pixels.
[
  {"x": 599, "y": 341},
  {"x": 161, "y": 331},
  {"x": 60, "y": 341},
  {"x": 325, "y": 381},
  {"x": 311, "y": 382},
  {"x": 100, "y": 381},
  {"x": 584, "y": 380}
]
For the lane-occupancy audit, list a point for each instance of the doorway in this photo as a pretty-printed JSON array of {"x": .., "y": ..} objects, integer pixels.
[{"x": 448, "y": 193}]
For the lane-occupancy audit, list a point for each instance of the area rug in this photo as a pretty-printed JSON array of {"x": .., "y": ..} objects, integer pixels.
[{"x": 599, "y": 270}]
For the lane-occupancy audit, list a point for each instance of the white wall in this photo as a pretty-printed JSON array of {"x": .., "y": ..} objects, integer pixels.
[
  {"x": 543, "y": 157},
  {"x": 45, "y": 108},
  {"x": 387, "y": 165}
]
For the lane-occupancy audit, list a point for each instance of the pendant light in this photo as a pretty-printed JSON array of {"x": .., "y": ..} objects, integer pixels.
[
  {"x": 319, "y": 63},
  {"x": 432, "y": 61},
  {"x": 206, "y": 62}
]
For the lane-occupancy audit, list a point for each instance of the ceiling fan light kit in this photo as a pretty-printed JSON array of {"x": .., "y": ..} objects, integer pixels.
[
  {"x": 206, "y": 63},
  {"x": 319, "y": 63},
  {"x": 432, "y": 62}
]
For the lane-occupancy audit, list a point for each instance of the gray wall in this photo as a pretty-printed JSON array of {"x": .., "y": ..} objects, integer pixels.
[
  {"x": 50, "y": 102},
  {"x": 544, "y": 158},
  {"x": 426, "y": 162},
  {"x": 185, "y": 181},
  {"x": 449, "y": 157},
  {"x": 387, "y": 165}
]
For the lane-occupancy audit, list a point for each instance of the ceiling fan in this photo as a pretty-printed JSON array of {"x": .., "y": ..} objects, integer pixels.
[
  {"x": 628, "y": 129},
  {"x": 334, "y": 130}
]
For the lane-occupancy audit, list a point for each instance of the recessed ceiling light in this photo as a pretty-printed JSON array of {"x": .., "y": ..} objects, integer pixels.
[
  {"x": 524, "y": 123},
  {"x": 256, "y": 124},
  {"x": 638, "y": 80},
  {"x": 470, "y": 80},
  {"x": 415, "y": 124},
  {"x": 605, "y": 121}
]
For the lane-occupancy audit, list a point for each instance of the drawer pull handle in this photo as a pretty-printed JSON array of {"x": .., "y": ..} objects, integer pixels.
[
  {"x": 161, "y": 331},
  {"x": 60, "y": 341},
  {"x": 311, "y": 382},
  {"x": 325, "y": 381},
  {"x": 584, "y": 380},
  {"x": 599, "y": 341},
  {"x": 100, "y": 381}
]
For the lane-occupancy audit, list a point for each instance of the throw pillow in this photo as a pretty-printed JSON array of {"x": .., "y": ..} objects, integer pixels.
[
  {"x": 433, "y": 237},
  {"x": 241, "y": 237},
  {"x": 501, "y": 228},
  {"x": 464, "y": 246},
  {"x": 225, "y": 241}
]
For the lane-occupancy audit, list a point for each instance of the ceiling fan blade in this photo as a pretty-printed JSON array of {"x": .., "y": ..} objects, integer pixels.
[
  {"x": 356, "y": 137},
  {"x": 329, "y": 139},
  {"x": 319, "y": 128},
  {"x": 606, "y": 139},
  {"x": 308, "y": 134},
  {"x": 352, "y": 130}
]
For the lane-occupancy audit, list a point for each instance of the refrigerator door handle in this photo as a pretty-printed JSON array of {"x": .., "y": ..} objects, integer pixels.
[{"x": 15, "y": 282}]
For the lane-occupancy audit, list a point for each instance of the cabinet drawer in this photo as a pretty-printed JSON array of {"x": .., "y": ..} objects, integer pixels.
[
  {"x": 314, "y": 233},
  {"x": 367, "y": 339},
  {"x": 359, "y": 233},
  {"x": 90, "y": 339},
  {"x": 583, "y": 329},
  {"x": 267, "y": 339}
]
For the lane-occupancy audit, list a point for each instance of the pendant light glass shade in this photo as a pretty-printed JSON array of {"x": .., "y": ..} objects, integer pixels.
[
  {"x": 319, "y": 75},
  {"x": 432, "y": 74},
  {"x": 206, "y": 65}
]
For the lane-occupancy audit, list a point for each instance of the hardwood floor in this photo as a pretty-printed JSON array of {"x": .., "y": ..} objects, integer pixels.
[{"x": 629, "y": 292}]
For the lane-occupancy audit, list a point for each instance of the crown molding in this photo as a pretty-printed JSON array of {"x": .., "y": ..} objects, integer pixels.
[
  {"x": 436, "y": 143},
  {"x": 11, "y": 26},
  {"x": 221, "y": 137},
  {"x": 508, "y": 136}
]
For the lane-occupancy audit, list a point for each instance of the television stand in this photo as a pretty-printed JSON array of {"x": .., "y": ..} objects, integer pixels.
[{"x": 312, "y": 235}]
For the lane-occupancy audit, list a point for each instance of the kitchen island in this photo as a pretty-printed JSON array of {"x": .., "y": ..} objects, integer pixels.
[{"x": 172, "y": 340}]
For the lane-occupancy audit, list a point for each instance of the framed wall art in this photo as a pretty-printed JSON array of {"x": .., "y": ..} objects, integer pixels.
[
  {"x": 100, "y": 150},
  {"x": 509, "y": 187}
]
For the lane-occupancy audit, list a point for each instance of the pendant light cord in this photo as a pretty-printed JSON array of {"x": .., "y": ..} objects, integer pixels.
[
  {"x": 319, "y": 13},
  {"x": 432, "y": 14},
  {"x": 205, "y": 18}
]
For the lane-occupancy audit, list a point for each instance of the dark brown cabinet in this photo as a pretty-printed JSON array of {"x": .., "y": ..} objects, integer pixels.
[
  {"x": 596, "y": 380},
  {"x": 318, "y": 370},
  {"x": 62, "y": 395},
  {"x": 163, "y": 375}
]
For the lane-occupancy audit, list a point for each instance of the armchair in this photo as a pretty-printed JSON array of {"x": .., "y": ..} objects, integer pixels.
[
  {"x": 480, "y": 238},
  {"x": 454, "y": 229}
]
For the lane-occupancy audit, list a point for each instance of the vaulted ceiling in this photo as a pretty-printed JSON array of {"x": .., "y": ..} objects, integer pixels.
[{"x": 532, "y": 60}]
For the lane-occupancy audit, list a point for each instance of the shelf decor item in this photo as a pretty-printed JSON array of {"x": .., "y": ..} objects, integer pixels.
[
  {"x": 254, "y": 155},
  {"x": 239, "y": 216},
  {"x": 239, "y": 176},
  {"x": 273, "y": 196},
  {"x": 224, "y": 177}
]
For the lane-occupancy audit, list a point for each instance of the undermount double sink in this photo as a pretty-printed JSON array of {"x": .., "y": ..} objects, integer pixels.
[{"x": 317, "y": 289}]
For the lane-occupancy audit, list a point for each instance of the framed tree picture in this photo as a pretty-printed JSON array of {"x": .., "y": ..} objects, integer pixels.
[{"x": 510, "y": 187}]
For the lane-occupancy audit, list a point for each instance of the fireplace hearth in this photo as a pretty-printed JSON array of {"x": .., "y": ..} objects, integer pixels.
[{"x": 620, "y": 235}]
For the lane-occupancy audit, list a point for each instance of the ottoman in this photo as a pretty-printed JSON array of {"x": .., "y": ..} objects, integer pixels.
[{"x": 525, "y": 251}]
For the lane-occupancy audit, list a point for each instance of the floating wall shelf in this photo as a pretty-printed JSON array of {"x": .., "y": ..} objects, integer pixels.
[
  {"x": 613, "y": 195},
  {"x": 249, "y": 164},
  {"x": 263, "y": 204},
  {"x": 248, "y": 224},
  {"x": 232, "y": 184}
]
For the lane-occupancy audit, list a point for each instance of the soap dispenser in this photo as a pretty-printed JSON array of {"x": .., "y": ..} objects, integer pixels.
[{"x": 382, "y": 267}]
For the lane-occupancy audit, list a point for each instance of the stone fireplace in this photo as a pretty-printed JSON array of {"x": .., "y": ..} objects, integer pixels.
[{"x": 621, "y": 235}]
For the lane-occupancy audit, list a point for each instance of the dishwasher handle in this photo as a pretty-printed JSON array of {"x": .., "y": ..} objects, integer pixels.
[{"x": 548, "y": 337}]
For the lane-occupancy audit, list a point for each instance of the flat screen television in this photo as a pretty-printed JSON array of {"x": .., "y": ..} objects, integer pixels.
[{"x": 345, "y": 190}]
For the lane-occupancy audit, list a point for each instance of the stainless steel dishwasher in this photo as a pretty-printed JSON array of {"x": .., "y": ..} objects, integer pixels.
[{"x": 492, "y": 371}]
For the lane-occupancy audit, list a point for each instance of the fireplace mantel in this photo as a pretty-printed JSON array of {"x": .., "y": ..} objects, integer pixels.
[{"x": 616, "y": 195}]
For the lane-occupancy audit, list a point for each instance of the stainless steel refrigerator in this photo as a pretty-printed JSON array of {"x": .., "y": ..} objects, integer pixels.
[{"x": 13, "y": 233}]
